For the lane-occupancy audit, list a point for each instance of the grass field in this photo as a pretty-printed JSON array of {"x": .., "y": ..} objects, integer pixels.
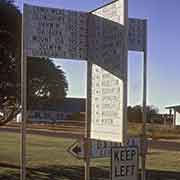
[
  {"x": 155, "y": 131},
  {"x": 48, "y": 159}
]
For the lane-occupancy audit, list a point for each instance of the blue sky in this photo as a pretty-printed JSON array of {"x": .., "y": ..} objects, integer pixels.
[{"x": 163, "y": 50}]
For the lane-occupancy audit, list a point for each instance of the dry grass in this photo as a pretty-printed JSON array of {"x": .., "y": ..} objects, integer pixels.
[{"x": 155, "y": 131}]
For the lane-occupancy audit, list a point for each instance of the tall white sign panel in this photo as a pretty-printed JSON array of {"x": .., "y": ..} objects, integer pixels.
[
  {"x": 137, "y": 34},
  {"x": 124, "y": 163},
  {"x": 106, "y": 105},
  {"x": 107, "y": 52},
  {"x": 55, "y": 33}
]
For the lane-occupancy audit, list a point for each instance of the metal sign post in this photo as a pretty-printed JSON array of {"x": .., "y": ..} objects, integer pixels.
[
  {"x": 125, "y": 126},
  {"x": 143, "y": 174},
  {"x": 24, "y": 105},
  {"x": 87, "y": 143}
]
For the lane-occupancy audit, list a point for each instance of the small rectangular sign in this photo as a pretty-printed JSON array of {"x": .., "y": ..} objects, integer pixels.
[
  {"x": 124, "y": 163},
  {"x": 137, "y": 34},
  {"x": 101, "y": 149}
]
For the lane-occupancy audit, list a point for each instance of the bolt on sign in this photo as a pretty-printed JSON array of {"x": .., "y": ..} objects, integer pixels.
[{"x": 124, "y": 163}]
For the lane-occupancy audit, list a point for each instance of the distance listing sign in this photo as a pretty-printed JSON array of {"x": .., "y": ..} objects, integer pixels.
[
  {"x": 55, "y": 33},
  {"x": 106, "y": 105},
  {"x": 137, "y": 34},
  {"x": 107, "y": 53},
  {"x": 124, "y": 163}
]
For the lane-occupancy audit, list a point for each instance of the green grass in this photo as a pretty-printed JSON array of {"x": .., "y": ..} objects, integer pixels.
[
  {"x": 48, "y": 155},
  {"x": 48, "y": 159}
]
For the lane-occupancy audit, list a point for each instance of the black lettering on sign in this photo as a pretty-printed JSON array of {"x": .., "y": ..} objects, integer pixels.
[
  {"x": 128, "y": 155},
  {"x": 122, "y": 170},
  {"x": 116, "y": 172},
  {"x": 116, "y": 156},
  {"x": 124, "y": 160},
  {"x": 133, "y": 154},
  {"x": 122, "y": 155}
]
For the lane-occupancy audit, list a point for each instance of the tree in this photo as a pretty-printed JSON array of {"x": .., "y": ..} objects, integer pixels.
[
  {"x": 45, "y": 80},
  {"x": 134, "y": 114},
  {"x": 10, "y": 31}
]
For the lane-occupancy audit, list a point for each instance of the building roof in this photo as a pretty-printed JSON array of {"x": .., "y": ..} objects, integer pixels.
[{"x": 173, "y": 107}]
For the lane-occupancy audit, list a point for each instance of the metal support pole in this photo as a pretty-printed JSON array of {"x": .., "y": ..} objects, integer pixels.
[
  {"x": 143, "y": 174},
  {"x": 87, "y": 160},
  {"x": 125, "y": 123},
  {"x": 87, "y": 143},
  {"x": 24, "y": 106},
  {"x": 174, "y": 119}
]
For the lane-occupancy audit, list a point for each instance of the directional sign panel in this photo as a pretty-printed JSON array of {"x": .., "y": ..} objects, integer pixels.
[
  {"x": 101, "y": 149},
  {"x": 55, "y": 33},
  {"x": 106, "y": 38},
  {"x": 107, "y": 52},
  {"x": 137, "y": 34},
  {"x": 124, "y": 163},
  {"x": 106, "y": 105}
]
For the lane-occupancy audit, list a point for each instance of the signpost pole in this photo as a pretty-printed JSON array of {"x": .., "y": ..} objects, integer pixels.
[
  {"x": 24, "y": 105},
  {"x": 143, "y": 174},
  {"x": 125, "y": 78},
  {"x": 87, "y": 143}
]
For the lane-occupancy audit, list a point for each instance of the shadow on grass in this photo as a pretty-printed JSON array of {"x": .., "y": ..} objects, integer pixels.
[
  {"x": 76, "y": 173},
  {"x": 56, "y": 173}
]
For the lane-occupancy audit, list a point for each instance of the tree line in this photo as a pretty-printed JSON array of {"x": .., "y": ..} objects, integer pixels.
[
  {"x": 46, "y": 81},
  {"x": 134, "y": 113}
]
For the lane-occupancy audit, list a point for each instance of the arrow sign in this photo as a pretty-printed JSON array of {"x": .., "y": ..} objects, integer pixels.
[
  {"x": 77, "y": 150},
  {"x": 101, "y": 149}
]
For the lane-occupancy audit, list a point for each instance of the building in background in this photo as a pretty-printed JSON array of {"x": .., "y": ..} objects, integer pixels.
[
  {"x": 165, "y": 119},
  {"x": 67, "y": 110},
  {"x": 175, "y": 112}
]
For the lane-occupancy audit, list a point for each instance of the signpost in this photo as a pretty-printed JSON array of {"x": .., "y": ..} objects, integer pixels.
[
  {"x": 137, "y": 41},
  {"x": 124, "y": 163},
  {"x": 101, "y": 38}
]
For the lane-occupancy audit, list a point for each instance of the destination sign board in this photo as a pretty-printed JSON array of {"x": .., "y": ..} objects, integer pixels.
[
  {"x": 137, "y": 34},
  {"x": 106, "y": 105},
  {"x": 106, "y": 38},
  {"x": 55, "y": 33},
  {"x": 107, "y": 53}
]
